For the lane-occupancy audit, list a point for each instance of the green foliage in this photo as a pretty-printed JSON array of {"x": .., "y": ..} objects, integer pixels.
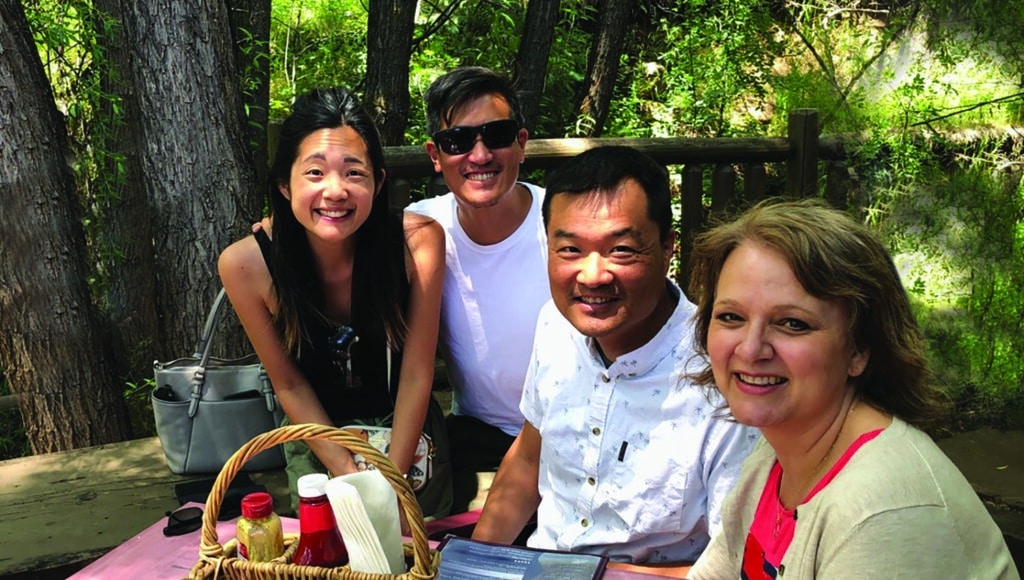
[
  {"x": 314, "y": 43},
  {"x": 876, "y": 71},
  {"x": 567, "y": 68},
  {"x": 895, "y": 65},
  {"x": 13, "y": 441},
  {"x": 69, "y": 37},
  {"x": 956, "y": 234},
  {"x": 701, "y": 72},
  {"x": 477, "y": 34},
  {"x": 139, "y": 390}
]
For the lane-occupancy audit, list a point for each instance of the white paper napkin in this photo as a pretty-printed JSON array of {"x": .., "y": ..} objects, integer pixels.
[{"x": 366, "y": 509}]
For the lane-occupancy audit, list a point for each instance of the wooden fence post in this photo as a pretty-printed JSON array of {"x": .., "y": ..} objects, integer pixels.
[
  {"x": 837, "y": 183},
  {"x": 755, "y": 182},
  {"x": 802, "y": 166},
  {"x": 723, "y": 188},
  {"x": 692, "y": 220}
]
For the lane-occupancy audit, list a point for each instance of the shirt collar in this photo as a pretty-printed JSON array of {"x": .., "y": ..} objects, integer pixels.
[{"x": 641, "y": 360}]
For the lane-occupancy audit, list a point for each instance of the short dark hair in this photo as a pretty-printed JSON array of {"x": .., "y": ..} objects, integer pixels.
[
  {"x": 459, "y": 86},
  {"x": 602, "y": 169},
  {"x": 838, "y": 259}
]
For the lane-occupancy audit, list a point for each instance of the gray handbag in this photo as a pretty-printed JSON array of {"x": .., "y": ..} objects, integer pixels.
[{"x": 206, "y": 407}]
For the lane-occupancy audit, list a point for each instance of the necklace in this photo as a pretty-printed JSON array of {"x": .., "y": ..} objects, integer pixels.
[{"x": 814, "y": 472}]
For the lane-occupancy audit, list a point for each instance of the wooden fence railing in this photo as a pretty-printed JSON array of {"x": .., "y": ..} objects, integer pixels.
[{"x": 738, "y": 169}]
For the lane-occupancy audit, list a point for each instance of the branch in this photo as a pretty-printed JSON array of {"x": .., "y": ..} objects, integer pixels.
[
  {"x": 443, "y": 16},
  {"x": 967, "y": 108}
]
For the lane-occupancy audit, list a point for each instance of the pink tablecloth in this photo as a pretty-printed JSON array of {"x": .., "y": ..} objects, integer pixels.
[{"x": 153, "y": 556}]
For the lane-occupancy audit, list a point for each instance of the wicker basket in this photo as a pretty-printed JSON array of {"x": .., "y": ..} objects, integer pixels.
[{"x": 220, "y": 561}]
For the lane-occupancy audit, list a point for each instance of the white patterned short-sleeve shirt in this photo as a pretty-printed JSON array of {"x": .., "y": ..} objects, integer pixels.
[{"x": 634, "y": 462}]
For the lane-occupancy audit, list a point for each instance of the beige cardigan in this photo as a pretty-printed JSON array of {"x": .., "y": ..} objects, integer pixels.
[{"x": 899, "y": 509}]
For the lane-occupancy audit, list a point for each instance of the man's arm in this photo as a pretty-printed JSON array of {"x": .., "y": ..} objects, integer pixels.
[{"x": 513, "y": 497}]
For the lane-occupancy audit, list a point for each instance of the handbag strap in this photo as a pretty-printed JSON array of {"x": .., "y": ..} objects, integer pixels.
[
  {"x": 203, "y": 346},
  {"x": 203, "y": 354}
]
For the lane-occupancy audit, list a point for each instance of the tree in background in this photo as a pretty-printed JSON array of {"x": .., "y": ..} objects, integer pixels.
[
  {"x": 164, "y": 106},
  {"x": 532, "y": 57},
  {"x": 603, "y": 65},
  {"x": 197, "y": 163},
  {"x": 117, "y": 212},
  {"x": 250, "y": 29},
  {"x": 53, "y": 347},
  {"x": 166, "y": 167},
  {"x": 389, "y": 37}
]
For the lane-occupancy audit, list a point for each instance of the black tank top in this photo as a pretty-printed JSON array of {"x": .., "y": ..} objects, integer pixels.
[{"x": 364, "y": 395}]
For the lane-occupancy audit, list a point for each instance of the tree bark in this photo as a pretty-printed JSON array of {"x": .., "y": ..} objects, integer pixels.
[
  {"x": 603, "y": 66},
  {"x": 250, "y": 26},
  {"x": 124, "y": 247},
  {"x": 53, "y": 349},
  {"x": 532, "y": 58},
  {"x": 199, "y": 173},
  {"x": 389, "y": 44}
]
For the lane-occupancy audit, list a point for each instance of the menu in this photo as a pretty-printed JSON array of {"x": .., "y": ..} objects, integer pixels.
[{"x": 462, "y": 558}]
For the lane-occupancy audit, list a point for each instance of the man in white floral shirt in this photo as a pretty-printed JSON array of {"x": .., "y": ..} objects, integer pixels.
[{"x": 620, "y": 454}]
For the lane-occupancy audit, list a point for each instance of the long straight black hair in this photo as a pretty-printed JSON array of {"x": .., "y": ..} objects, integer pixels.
[{"x": 298, "y": 287}]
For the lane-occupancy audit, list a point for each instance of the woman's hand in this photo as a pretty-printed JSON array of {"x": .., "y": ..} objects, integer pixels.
[{"x": 264, "y": 224}]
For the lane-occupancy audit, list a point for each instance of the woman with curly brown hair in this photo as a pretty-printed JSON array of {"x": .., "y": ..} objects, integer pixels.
[{"x": 810, "y": 337}]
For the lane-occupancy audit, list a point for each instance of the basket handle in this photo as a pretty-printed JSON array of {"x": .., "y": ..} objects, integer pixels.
[{"x": 210, "y": 546}]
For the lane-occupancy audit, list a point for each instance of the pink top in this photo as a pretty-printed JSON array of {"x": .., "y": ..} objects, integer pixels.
[{"x": 771, "y": 532}]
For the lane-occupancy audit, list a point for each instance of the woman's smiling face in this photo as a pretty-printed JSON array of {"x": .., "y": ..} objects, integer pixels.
[
  {"x": 781, "y": 357},
  {"x": 332, "y": 186}
]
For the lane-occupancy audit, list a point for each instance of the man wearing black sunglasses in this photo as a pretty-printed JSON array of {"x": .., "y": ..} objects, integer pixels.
[{"x": 496, "y": 276}]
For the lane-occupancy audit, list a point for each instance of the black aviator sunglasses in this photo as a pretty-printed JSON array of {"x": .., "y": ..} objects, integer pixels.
[{"x": 460, "y": 139}]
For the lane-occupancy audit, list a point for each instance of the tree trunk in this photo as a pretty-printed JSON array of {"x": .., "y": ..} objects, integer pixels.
[
  {"x": 124, "y": 247},
  {"x": 603, "y": 66},
  {"x": 199, "y": 173},
  {"x": 532, "y": 58},
  {"x": 250, "y": 25},
  {"x": 389, "y": 41},
  {"x": 52, "y": 347}
]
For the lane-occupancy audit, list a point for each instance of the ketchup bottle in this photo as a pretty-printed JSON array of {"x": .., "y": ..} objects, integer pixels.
[{"x": 320, "y": 541}]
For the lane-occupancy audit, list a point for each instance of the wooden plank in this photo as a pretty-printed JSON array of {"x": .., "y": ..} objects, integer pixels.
[
  {"x": 692, "y": 221},
  {"x": 8, "y": 403},
  {"x": 755, "y": 182},
  {"x": 837, "y": 183},
  {"x": 802, "y": 164},
  {"x": 412, "y": 161},
  {"x": 62, "y": 508},
  {"x": 723, "y": 188}
]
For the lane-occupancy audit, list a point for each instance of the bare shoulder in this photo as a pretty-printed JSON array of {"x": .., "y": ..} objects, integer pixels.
[
  {"x": 422, "y": 231},
  {"x": 242, "y": 262},
  {"x": 239, "y": 253}
]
